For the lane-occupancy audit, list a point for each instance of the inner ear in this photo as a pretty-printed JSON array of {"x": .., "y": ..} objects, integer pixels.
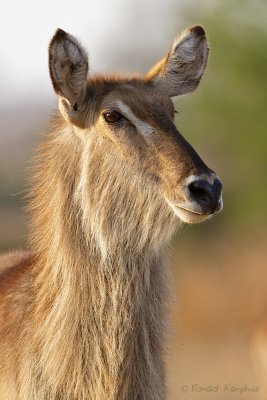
[
  {"x": 68, "y": 65},
  {"x": 181, "y": 70}
]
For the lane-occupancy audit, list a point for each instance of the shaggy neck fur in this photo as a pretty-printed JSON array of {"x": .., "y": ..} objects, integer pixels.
[{"x": 99, "y": 231}]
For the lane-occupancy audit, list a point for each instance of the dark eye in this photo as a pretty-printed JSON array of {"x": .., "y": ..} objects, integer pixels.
[{"x": 112, "y": 116}]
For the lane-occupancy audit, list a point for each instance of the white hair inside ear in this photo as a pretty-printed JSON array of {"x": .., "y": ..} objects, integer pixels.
[
  {"x": 68, "y": 66},
  {"x": 181, "y": 70}
]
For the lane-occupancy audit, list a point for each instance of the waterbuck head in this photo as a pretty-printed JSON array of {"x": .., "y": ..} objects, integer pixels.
[{"x": 128, "y": 122}]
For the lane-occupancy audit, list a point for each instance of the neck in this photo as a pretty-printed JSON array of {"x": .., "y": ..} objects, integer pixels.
[{"x": 100, "y": 299}]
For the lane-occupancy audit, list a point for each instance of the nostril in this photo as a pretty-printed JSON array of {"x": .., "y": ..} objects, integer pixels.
[
  {"x": 198, "y": 188},
  {"x": 203, "y": 193}
]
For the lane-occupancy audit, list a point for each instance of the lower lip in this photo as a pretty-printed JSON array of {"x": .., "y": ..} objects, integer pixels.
[
  {"x": 218, "y": 209},
  {"x": 191, "y": 211},
  {"x": 189, "y": 216}
]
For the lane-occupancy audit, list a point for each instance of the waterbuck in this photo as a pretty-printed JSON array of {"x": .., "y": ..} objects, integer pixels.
[{"x": 83, "y": 313}]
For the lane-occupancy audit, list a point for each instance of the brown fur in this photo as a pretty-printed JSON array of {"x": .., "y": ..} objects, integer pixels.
[{"x": 83, "y": 318}]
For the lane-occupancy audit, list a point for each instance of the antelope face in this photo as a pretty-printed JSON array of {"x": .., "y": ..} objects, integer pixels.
[{"x": 136, "y": 116}]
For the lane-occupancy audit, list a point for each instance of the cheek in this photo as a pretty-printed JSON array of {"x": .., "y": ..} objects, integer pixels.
[
  {"x": 125, "y": 140},
  {"x": 173, "y": 194},
  {"x": 171, "y": 182}
]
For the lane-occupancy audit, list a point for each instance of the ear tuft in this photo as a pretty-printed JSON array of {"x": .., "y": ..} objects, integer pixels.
[
  {"x": 59, "y": 34},
  {"x": 68, "y": 66},
  {"x": 181, "y": 70},
  {"x": 197, "y": 30}
]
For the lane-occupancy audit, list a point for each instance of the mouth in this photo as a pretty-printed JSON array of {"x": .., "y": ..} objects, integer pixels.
[
  {"x": 189, "y": 211},
  {"x": 193, "y": 214},
  {"x": 190, "y": 216}
]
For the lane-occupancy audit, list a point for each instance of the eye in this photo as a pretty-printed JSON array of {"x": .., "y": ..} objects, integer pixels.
[{"x": 112, "y": 116}]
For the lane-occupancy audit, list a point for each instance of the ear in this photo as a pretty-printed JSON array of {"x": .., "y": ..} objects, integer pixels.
[
  {"x": 181, "y": 70},
  {"x": 68, "y": 66}
]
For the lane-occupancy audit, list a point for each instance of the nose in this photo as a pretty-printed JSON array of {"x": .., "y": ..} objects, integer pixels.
[{"x": 206, "y": 194}]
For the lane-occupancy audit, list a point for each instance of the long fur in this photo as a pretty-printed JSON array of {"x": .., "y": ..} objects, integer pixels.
[{"x": 93, "y": 325}]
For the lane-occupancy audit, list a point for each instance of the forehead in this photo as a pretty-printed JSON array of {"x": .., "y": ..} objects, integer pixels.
[{"x": 142, "y": 98}]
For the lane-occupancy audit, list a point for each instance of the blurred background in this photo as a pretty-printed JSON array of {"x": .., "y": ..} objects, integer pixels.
[{"x": 218, "y": 336}]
